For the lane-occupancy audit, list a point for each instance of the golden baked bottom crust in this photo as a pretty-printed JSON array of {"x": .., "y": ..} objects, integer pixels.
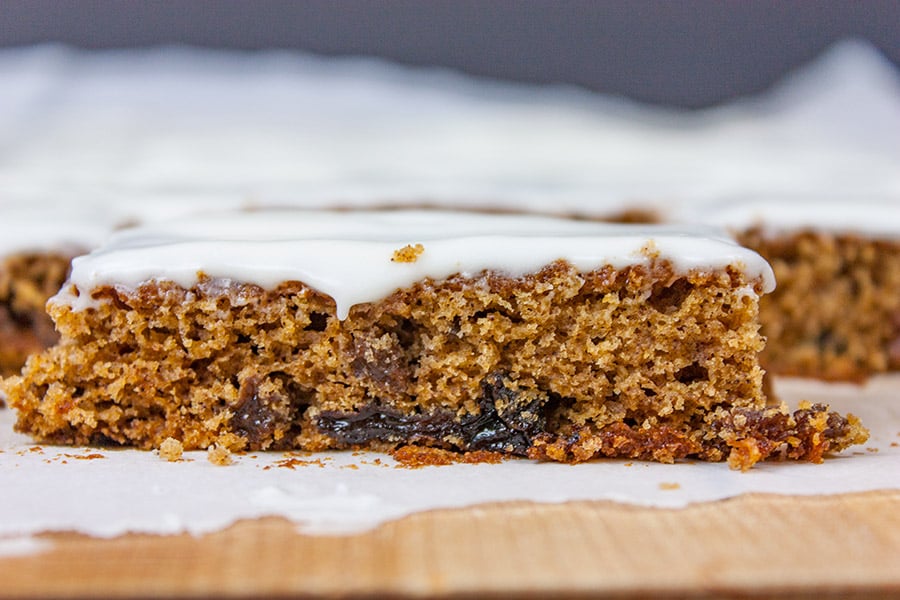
[
  {"x": 27, "y": 280},
  {"x": 639, "y": 362},
  {"x": 835, "y": 314}
]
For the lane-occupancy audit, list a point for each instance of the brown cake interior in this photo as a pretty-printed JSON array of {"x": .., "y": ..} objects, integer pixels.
[
  {"x": 27, "y": 280},
  {"x": 836, "y": 311},
  {"x": 641, "y": 362}
]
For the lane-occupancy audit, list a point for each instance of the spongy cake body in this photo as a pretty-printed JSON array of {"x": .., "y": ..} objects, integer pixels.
[
  {"x": 836, "y": 312},
  {"x": 637, "y": 348}
]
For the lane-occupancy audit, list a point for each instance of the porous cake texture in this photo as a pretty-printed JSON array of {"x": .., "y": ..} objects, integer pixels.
[
  {"x": 27, "y": 280},
  {"x": 835, "y": 314},
  {"x": 37, "y": 243},
  {"x": 642, "y": 355}
]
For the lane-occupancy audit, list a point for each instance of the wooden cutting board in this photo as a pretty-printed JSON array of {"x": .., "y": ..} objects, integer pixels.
[{"x": 751, "y": 546}]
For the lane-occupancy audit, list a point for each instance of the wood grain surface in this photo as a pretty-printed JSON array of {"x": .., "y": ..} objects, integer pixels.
[{"x": 751, "y": 546}]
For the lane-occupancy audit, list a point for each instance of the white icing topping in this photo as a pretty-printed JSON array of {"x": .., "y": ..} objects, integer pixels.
[
  {"x": 872, "y": 216},
  {"x": 347, "y": 255},
  {"x": 66, "y": 229}
]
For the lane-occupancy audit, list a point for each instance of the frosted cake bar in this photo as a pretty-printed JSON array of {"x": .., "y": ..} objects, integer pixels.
[
  {"x": 531, "y": 336},
  {"x": 836, "y": 312},
  {"x": 36, "y": 248}
]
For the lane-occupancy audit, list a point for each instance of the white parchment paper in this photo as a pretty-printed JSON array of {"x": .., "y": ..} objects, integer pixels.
[{"x": 104, "y": 492}]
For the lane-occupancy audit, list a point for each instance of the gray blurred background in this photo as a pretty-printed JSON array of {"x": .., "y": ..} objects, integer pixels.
[{"x": 688, "y": 54}]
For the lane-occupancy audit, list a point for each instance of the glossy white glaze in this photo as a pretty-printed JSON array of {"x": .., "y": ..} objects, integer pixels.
[
  {"x": 871, "y": 216},
  {"x": 65, "y": 229},
  {"x": 348, "y": 255}
]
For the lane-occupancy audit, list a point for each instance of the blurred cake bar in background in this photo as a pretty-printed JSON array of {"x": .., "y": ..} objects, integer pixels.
[
  {"x": 27, "y": 279},
  {"x": 549, "y": 338},
  {"x": 835, "y": 313},
  {"x": 37, "y": 244},
  {"x": 36, "y": 247}
]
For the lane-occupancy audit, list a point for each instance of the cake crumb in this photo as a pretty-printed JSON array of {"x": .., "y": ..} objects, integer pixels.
[
  {"x": 290, "y": 461},
  {"x": 171, "y": 450},
  {"x": 218, "y": 455},
  {"x": 744, "y": 454},
  {"x": 414, "y": 457},
  {"x": 91, "y": 456},
  {"x": 667, "y": 485},
  {"x": 650, "y": 250},
  {"x": 408, "y": 253}
]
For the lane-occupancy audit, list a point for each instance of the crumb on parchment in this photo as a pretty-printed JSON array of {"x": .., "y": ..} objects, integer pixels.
[
  {"x": 408, "y": 253},
  {"x": 218, "y": 455},
  {"x": 414, "y": 457},
  {"x": 171, "y": 450}
]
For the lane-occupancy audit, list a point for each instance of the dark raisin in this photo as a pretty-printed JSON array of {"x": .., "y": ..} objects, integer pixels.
[
  {"x": 385, "y": 424},
  {"x": 256, "y": 416},
  {"x": 251, "y": 418},
  {"x": 507, "y": 422}
]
